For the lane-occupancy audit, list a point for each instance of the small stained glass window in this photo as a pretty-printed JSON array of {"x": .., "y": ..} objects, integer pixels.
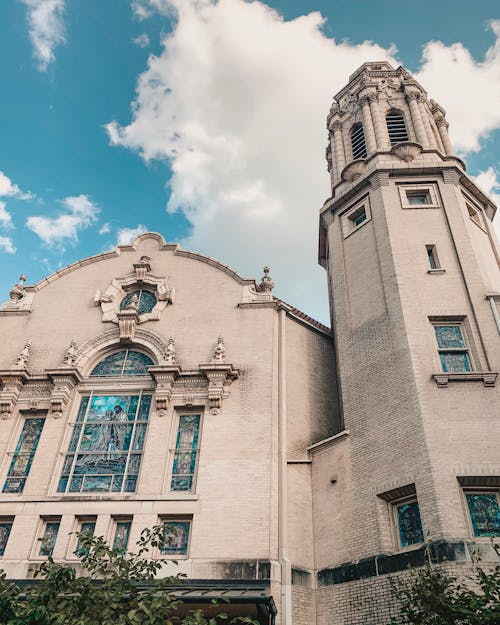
[
  {"x": 176, "y": 538},
  {"x": 145, "y": 300},
  {"x": 122, "y": 533},
  {"x": 23, "y": 456},
  {"x": 186, "y": 453},
  {"x": 49, "y": 538},
  {"x": 88, "y": 528},
  {"x": 484, "y": 513},
  {"x": 105, "y": 449},
  {"x": 5, "y": 528},
  {"x": 453, "y": 351},
  {"x": 409, "y": 523},
  {"x": 123, "y": 363}
]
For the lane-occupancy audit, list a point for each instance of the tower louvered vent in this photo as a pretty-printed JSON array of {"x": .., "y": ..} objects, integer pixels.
[
  {"x": 396, "y": 127},
  {"x": 358, "y": 141}
]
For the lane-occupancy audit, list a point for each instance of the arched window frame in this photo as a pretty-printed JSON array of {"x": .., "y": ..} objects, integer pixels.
[
  {"x": 357, "y": 141},
  {"x": 397, "y": 133}
]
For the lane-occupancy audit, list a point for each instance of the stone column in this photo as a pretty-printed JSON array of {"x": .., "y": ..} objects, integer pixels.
[
  {"x": 338, "y": 147},
  {"x": 416, "y": 118},
  {"x": 442, "y": 125},
  {"x": 425, "y": 119},
  {"x": 371, "y": 142},
  {"x": 379, "y": 125}
]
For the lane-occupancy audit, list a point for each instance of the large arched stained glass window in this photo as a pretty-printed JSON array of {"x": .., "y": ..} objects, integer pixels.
[
  {"x": 105, "y": 450},
  {"x": 123, "y": 363}
]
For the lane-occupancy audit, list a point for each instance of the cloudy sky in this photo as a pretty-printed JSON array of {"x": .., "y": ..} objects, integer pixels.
[{"x": 205, "y": 120}]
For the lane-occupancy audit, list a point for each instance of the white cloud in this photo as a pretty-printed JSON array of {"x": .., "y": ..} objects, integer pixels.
[
  {"x": 8, "y": 189},
  {"x": 468, "y": 89},
  {"x": 143, "y": 9},
  {"x": 105, "y": 228},
  {"x": 56, "y": 231},
  {"x": 127, "y": 235},
  {"x": 7, "y": 245},
  {"x": 141, "y": 40},
  {"x": 237, "y": 102},
  {"x": 5, "y": 217},
  {"x": 46, "y": 28}
]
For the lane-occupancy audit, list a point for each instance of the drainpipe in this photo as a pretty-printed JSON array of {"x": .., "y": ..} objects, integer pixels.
[{"x": 286, "y": 567}]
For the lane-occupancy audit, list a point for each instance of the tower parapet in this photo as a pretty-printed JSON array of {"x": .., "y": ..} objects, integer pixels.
[{"x": 382, "y": 110}]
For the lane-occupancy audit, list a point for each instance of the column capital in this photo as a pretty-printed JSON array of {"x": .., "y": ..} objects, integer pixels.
[{"x": 441, "y": 121}]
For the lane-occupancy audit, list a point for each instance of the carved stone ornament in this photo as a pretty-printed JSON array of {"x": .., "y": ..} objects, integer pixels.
[
  {"x": 127, "y": 323},
  {"x": 64, "y": 381},
  {"x": 110, "y": 299},
  {"x": 219, "y": 376},
  {"x": 354, "y": 170},
  {"x": 266, "y": 284},
  {"x": 407, "y": 151},
  {"x": 18, "y": 291},
  {"x": 165, "y": 377},
  {"x": 170, "y": 356},
  {"x": 12, "y": 384},
  {"x": 70, "y": 355},
  {"x": 219, "y": 351},
  {"x": 21, "y": 362}
]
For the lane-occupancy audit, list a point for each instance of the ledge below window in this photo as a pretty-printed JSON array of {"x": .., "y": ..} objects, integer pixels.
[{"x": 488, "y": 378}]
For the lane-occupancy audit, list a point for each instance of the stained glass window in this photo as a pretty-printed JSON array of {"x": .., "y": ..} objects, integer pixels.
[
  {"x": 176, "y": 538},
  {"x": 49, "y": 538},
  {"x": 5, "y": 527},
  {"x": 186, "y": 453},
  {"x": 105, "y": 449},
  {"x": 23, "y": 456},
  {"x": 122, "y": 532},
  {"x": 88, "y": 528},
  {"x": 453, "y": 352},
  {"x": 146, "y": 301},
  {"x": 409, "y": 523},
  {"x": 126, "y": 362},
  {"x": 484, "y": 513}
]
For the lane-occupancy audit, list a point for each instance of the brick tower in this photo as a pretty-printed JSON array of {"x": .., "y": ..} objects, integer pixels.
[{"x": 414, "y": 277}]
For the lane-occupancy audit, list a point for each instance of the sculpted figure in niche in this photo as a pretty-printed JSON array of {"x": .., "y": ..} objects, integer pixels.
[
  {"x": 133, "y": 304},
  {"x": 23, "y": 357},
  {"x": 219, "y": 351},
  {"x": 70, "y": 355},
  {"x": 170, "y": 355}
]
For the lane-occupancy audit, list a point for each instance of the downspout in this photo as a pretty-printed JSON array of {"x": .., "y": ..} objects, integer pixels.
[{"x": 286, "y": 567}]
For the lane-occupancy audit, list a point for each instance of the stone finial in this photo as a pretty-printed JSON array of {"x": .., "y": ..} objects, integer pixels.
[
  {"x": 18, "y": 292},
  {"x": 145, "y": 259},
  {"x": 70, "y": 355},
  {"x": 133, "y": 304},
  {"x": 219, "y": 351},
  {"x": 266, "y": 284},
  {"x": 170, "y": 354},
  {"x": 23, "y": 357}
]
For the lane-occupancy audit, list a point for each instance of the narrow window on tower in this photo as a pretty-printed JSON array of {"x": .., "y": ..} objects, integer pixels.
[
  {"x": 453, "y": 350},
  {"x": 396, "y": 127},
  {"x": 408, "y": 522},
  {"x": 358, "y": 144},
  {"x": 356, "y": 216},
  {"x": 432, "y": 257},
  {"x": 186, "y": 453},
  {"x": 22, "y": 457}
]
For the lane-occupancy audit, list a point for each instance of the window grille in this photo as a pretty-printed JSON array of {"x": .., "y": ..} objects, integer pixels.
[
  {"x": 396, "y": 127},
  {"x": 358, "y": 141}
]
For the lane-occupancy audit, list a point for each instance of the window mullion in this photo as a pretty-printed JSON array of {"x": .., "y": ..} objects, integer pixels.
[{"x": 84, "y": 422}]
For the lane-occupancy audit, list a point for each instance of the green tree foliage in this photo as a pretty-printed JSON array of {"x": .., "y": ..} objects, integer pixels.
[
  {"x": 433, "y": 596},
  {"x": 110, "y": 588}
]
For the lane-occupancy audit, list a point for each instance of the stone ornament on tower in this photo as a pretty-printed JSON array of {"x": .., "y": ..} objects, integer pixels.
[
  {"x": 23, "y": 357},
  {"x": 266, "y": 284},
  {"x": 219, "y": 351},
  {"x": 170, "y": 353},
  {"x": 70, "y": 355},
  {"x": 18, "y": 291}
]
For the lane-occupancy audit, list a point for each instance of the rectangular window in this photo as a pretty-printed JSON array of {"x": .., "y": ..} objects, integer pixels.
[
  {"x": 432, "y": 257},
  {"x": 419, "y": 195},
  {"x": 452, "y": 348},
  {"x": 484, "y": 512},
  {"x": 23, "y": 456},
  {"x": 356, "y": 216},
  {"x": 122, "y": 533},
  {"x": 85, "y": 526},
  {"x": 474, "y": 214},
  {"x": 176, "y": 537},
  {"x": 186, "y": 453},
  {"x": 409, "y": 524},
  {"x": 5, "y": 529},
  {"x": 49, "y": 537},
  {"x": 105, "y": 449}
]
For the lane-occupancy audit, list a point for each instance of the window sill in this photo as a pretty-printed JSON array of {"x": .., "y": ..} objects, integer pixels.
[
  {"x": 436, "y": 271},
  {"x": 488, "y": 378}
]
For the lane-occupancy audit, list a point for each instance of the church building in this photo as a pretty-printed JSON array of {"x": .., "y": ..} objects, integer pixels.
[{"x": 297, "y": 467}]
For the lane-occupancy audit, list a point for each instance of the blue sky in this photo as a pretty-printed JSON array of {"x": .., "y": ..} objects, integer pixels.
[{"x": 205, "y": 121}]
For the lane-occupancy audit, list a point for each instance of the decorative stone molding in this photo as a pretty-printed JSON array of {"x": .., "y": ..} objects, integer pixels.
[
  {"x": 219, "y": 378},
  {"x": 64, "y": 381},
  {"x": 354, "y": 170},
  {"x": 165, "y": 377},
  {"x": 451, "y": 176},
  {"x": 12, "y": 383},
  {"x": 407, "y": 151},
  {"x": 70, "y": 355},
  {"x": 170, "y": 352},
  {"x": 127, "y": 323},
  {"x": 20, "y": 299},
  {"x": 379, "y": 179},
  {"x": 110, "y": 299},
  {"x": 488, "y": 378}
]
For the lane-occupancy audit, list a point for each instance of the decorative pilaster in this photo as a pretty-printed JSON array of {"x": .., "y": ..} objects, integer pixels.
[
  {"x": 165, "y": 377},
  {"x": 12, "y": 384},
  {"x": 425, "y": 119},
  {"x": 64, "y": 381},
  {"x": 338, "y": 147},
  {"x": 379, "y": 125},
  {"x": 371, "y": 142},
  {"x": 416, "y": 117},
  {"x": 442, "y": 126}
]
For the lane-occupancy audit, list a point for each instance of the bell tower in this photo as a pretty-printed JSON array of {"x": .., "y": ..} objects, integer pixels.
[{"x": 414, "y": 279}]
